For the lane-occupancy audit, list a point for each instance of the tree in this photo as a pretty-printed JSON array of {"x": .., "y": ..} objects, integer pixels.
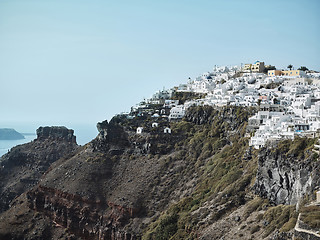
[
  {"x": 303, "y": 68},
  {"x": 266, "y": 69},
  {"x": 259, "y": 102},
  {"x": 290, "y": 66}
]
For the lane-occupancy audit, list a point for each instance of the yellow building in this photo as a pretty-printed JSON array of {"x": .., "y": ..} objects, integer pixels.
[
  {"x": 293, "y": 73},
  {"x": 257, "y": 67},
  {"x": 289, "y": 73},
  {"x": 274, "y": 73},
  {"x": 247, "y": 67}
]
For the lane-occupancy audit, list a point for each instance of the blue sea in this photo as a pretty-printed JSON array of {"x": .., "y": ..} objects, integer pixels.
[
  {"x": 83, "y": 133},
  {"x": 5, "y": 145}
]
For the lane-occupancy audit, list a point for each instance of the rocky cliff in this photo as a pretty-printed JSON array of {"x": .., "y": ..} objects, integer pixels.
[
  {"x": 56, "y": 133},
  {"x": 195, "y": 183},
  {"x": 115, "y": 186},
  {"x": 86, "y": 218},
  {"x": 23, "y": 166},
  {"x": 288, "y": 172}
]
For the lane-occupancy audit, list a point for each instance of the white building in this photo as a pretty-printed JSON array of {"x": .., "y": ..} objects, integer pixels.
[
  {"x": 167, "y": 130},
  {"x": 177, "y": 112},
  {"x": 291, "y": 108},
  {"x": 155, "y": 124},
  {"x": 139, "y": 130}
]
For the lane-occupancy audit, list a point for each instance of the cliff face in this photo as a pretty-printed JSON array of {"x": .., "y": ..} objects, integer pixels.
[
  {"x": 288, "y": 172},
  {"x": 107, "y": 189},
  {"x": 23, "y": 166},
  {"x": 56, "y": 133},
  {"x": 122, "y": 181},
  {"x": 86, "y": 218},
  {"x": 195, "y": 183}
]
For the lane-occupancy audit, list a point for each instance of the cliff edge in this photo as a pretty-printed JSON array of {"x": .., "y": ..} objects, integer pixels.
[
  {"x": 200, "y": 180},
  {"x": 22, "y": 167}
]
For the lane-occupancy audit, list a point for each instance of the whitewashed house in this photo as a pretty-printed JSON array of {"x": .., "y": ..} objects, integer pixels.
[
  {"x": 292, "y": 108},
  {"x": 183, "y": 88},
  {"x": 177, "y": 112},
  {"x": 167, "y": 130},
  {"x": 287, "y": 130},
  {"x": 171, "y": 103},
  {"x": 258, "y": 140},
  {"x": 139, "y": 130}
]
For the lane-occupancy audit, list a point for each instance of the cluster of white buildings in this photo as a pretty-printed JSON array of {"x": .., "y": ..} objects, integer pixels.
[
  {"x": 288, "y": 101},
  {"x": 289, "y": 105}
]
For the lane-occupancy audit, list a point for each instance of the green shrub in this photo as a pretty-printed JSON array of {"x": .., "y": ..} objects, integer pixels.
[
  {"x": 254, "y": 229},
  {"x": 167, "y": 227},
  {"x": 259, "y": 217},
  {"x": 280, "y": 217},
  {"x": 253, "y": 205},
  {"x": 183, "y": 96},
  {"x": 223, "y": 176}
]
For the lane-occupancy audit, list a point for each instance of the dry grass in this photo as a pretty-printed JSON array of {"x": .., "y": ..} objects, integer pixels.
[{"x": 311, "y": 216}]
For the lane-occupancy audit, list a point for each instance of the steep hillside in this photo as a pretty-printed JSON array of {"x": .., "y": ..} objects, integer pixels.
[
  {"x": 201, "y": 181},
  {"x": 23, "y": 166},
  {"x": 288, "y": 172}
]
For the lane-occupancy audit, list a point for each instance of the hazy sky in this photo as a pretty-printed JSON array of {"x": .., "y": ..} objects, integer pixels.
[{"x": 66, "y": 62}]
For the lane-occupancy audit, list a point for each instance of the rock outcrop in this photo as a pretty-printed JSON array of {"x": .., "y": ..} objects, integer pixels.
[
  {"x": 187, "y": 184},
  {"x": 22, "y": 167},
  {"x": 86, "y": 218},
  {"x": 110, "y": 134},
  {"x": 57, "y": 133},
  {"x": 286, "y": 178},
  {"x": 233, "y": 116}
]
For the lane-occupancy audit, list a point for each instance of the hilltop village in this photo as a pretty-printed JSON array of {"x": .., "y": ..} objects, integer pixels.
[
  {"x": 287, "y": 101},
  {"x": 168, "y": 170}
]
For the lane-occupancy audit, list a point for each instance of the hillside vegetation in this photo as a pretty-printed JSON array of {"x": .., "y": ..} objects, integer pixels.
[
  {"x": 217, "y": 151},
  {"x": 202, "y": 181}
]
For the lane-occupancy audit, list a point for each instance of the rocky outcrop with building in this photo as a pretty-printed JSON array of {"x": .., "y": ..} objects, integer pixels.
[{"x": 196, "y": 182}]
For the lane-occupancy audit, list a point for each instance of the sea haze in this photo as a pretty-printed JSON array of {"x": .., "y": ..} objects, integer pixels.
[{"x": 6, "y": 145}]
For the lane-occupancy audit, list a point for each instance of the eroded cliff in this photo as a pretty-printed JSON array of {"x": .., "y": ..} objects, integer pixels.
[
  {"x": 288, "y": 172},
  {"x": 194, "y": 183},
  {"x": 23, "y": 166}
]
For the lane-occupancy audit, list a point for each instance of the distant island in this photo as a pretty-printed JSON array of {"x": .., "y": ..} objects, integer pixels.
[{"x": 10, "y": 134}]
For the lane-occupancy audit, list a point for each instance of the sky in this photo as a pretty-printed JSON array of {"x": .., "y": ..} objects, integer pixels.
[{"x": 78, "y": 62}]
